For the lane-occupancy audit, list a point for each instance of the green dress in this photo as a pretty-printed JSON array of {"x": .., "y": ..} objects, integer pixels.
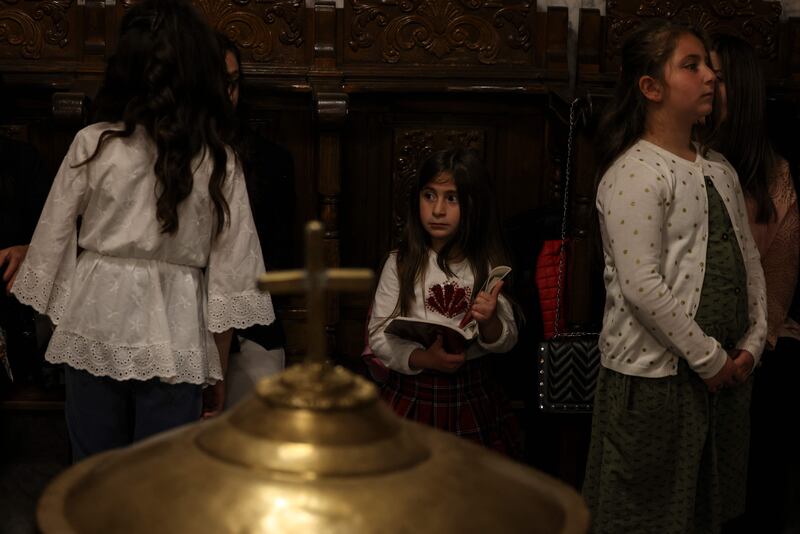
[{"x": 666, "y": 455}]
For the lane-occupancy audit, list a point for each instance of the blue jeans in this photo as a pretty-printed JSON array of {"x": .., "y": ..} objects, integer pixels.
[{"x": 103, "y": 413}]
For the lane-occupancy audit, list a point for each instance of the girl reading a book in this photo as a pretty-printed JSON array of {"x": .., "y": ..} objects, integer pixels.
[
  {"x": 685, "y": 312},
  {"x": 449, "y": 245}
]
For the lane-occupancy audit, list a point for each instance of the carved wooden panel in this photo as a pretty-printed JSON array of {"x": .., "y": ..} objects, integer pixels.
[
  {"x": 754, "y": 20},
  {"x": 36, "y": 30},
  {"x": 439, "y": 32},
  {"x": 266, "y": 31}
]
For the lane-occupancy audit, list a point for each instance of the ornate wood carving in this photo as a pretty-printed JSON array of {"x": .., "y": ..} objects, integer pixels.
[
  {"x": 27, "y": 28},
  {"x": 260, "y": 30},
  {"x": 411, "y": 147},
  {"x": 266, "y": 31},
  {"x": 436, "y": 31},
  {"x": 754, "y": 20}
]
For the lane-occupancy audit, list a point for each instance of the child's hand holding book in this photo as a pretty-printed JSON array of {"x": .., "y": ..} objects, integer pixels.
[
  {"x": 484, "y": 307},
  {"x": 437, "y": 358}
]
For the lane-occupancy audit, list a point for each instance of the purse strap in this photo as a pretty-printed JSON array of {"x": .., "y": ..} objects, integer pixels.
[{"x": 562, "y": 255}]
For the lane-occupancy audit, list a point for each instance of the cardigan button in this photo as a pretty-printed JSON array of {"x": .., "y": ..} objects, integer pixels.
[{"x": 724, "y": 237}]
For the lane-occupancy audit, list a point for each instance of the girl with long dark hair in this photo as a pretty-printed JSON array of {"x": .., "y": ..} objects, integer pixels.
[{"x": 168, "y": 249}]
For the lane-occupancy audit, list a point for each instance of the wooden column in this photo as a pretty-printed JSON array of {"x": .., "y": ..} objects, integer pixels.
[{"x": 330, "y": 107}]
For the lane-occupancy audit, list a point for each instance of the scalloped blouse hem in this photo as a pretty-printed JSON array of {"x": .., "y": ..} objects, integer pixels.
[{"x": 132, "y": 363}]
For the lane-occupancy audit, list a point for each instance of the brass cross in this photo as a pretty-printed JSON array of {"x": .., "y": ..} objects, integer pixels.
[{"x": 314, "y": 281}]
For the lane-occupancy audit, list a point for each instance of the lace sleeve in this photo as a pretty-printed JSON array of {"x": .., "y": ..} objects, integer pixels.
[
  {"x": 234, "y": 265},
  {"x": 45, "y": 277}
]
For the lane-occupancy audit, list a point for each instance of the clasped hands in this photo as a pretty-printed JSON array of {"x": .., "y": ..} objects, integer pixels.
[{"x": 737, "y": 368}]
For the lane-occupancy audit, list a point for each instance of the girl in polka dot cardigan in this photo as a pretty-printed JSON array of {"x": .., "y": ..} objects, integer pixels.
[{"x": 685, "y": 314}]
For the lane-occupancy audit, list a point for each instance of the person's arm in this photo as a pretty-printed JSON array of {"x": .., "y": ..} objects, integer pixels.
[
  {"x": 498, "y": 333},
  {"x": 751, "y": 345},
  {"x": 781, "y": 260},
  {"x": 10, "y": 260},
  {"x": 234, "y": 264},
  {"x": 394, "y": 352},
  {"x": 45, "y": 277},
  {"x": 214, "y": 395},
  {"x": 633, "y": 200},
  {"x": 436, "y": 358}
]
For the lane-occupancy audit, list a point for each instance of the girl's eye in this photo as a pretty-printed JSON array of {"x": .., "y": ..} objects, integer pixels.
[
  {"x": 428, "y": 195},
  {"x": 692, "y": 66},
  {"x": 453, "y": 199}
]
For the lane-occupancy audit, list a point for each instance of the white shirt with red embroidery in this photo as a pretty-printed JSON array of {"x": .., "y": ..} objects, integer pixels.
[{"x": 439, "y": 297}]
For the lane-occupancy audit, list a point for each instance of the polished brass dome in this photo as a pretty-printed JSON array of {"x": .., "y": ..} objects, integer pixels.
[{"x": 314, "y": 451}]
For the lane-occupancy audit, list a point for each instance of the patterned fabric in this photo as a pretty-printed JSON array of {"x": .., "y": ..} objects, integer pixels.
[
  {"x": 723, "y": 315},
  {"x": 653, "y": 212},
  {"x": 138, "y": 303},
  {"x": 468, "y": 403},
  {"x": 666, "y": 455}
]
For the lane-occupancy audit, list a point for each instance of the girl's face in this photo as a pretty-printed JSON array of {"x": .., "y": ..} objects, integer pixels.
[
  {"x": 722, "y": 96},
  {"x": 439, "y": 209},
  {"x": 232, "y": 66},
  {"x": 689, "y": 80}
]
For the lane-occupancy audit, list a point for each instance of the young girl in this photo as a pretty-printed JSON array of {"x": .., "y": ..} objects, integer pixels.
[
  {"x": 684, "y": 320},
  {"x": 451, "y": 240},
  {"x": 168, "y": 249},
  {"x": 738, "y": 131}
]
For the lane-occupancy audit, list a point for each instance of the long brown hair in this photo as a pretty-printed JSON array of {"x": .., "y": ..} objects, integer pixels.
[
  {"x": 478, "y": 238},
  {"x": 167, "y": 75},
  {"x": 742, "y": 136}
]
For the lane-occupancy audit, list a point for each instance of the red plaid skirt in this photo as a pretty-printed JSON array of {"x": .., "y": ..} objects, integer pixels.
[{"x": 469, "y": 403}]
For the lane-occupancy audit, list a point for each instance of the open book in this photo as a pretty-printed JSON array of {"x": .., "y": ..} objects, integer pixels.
[{"x": 455, "y": 340}]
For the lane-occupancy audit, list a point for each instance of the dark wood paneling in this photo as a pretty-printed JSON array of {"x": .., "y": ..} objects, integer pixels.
[
  {"x": 754, "y": 20},
  {"x": 435, "y": 34}
]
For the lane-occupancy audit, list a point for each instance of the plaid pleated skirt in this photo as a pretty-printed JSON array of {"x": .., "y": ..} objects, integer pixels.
[{"x": 469, "y": 403}]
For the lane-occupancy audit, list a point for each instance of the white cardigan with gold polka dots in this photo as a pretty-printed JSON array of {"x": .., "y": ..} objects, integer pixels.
[{"x": 654, "y": 222}]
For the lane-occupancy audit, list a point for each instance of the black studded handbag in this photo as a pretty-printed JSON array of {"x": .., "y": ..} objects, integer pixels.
[
  {"x": 568, "y": 368},
  {"x": 569, "y": 361}
]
